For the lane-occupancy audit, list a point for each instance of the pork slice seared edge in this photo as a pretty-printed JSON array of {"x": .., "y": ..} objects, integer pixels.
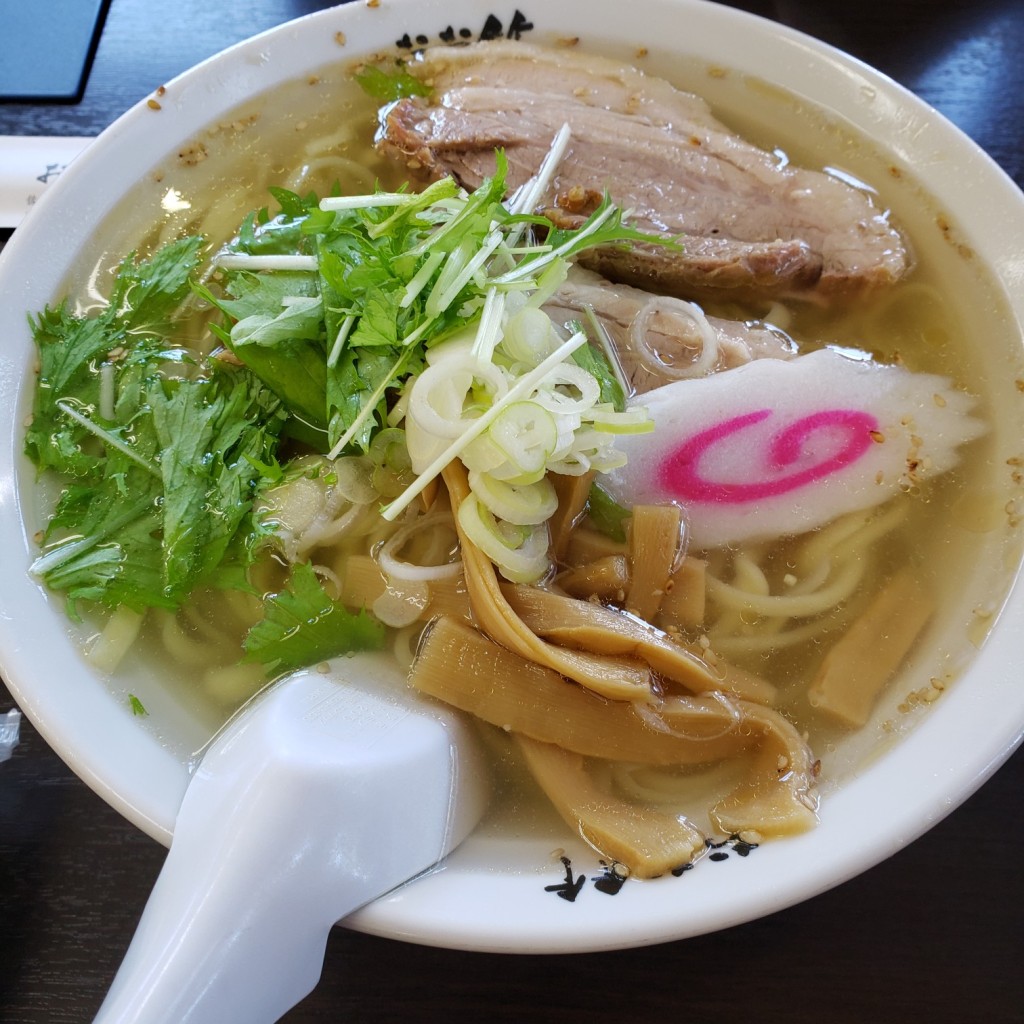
[{"x": 749, "y": 224}]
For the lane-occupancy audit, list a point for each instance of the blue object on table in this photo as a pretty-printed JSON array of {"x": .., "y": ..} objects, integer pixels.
[{"x": 47, "y": 46}]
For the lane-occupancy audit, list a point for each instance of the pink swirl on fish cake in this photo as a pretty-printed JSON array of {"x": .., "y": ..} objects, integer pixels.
[{"x": 680, "y": 472}]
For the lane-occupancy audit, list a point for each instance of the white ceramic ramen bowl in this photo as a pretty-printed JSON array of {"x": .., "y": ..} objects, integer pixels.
[{"x": 499, "y": 892}]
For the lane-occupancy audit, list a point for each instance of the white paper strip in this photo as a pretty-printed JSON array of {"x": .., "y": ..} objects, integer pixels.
[{"x": 28, "y": 163}]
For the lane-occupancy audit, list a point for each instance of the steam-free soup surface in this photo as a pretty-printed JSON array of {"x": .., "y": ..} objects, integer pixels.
[{"x": 753, "y": 639}]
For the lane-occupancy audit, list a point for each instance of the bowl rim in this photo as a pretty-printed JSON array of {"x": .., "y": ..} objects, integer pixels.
[{"x": 892, "y": 802}]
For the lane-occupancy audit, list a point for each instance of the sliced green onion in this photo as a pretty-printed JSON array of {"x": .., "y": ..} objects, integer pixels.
[
  {"x": 526, "y": 562},
  {"x": 574, "y": 464},
  {"x": 437, "y": 404},
  {"x": 526, "y": 433},
  {"x": 529, "y": 335},
  {"x": 388, "y": 448},
  {"x": 520, "y": 504},
  {"x": 607, "y": 459},
  {"x": 634, "y": 420},
  {"x": 398, "y": 568},
  {"x": 520, "y": 389},
  {"x": 483, "y": 455},
  {"x": 570, "y": 376}
]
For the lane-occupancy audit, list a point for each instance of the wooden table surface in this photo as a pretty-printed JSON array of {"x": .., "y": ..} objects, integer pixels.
[{"x": 931, "y": 935}]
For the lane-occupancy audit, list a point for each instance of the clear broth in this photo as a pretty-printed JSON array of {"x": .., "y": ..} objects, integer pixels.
[{"x": 949, "y": 318}]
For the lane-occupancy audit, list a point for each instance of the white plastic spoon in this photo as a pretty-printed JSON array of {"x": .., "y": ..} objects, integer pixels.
[{"x": 325, "y": 792}]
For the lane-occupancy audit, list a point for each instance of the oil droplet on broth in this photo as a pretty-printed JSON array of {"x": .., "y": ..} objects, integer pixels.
[{"x": 979, "y": 511}]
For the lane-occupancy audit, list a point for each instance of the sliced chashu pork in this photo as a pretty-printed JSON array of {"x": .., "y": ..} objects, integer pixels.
[
  {"x": 749, "y": 224},
  {"x": 658, "y": 339}
]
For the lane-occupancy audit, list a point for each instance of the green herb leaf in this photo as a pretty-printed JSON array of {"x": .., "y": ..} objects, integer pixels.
[
  {"x": 595, "y": 362},
  {"x": 352, "y": 385},
  {"x": 165, "y": 484},
  {"x": 70, "y": 347},
  {"x": 606, "y": 514},
  {"x": 250, "y": 294},
  {"x": 378, "y": 324},
  {"x": 209, "y": 433},
  {"x": 297, "y": 372},
  {"x": 386, "y": 86},
  {"x": 304, "y": 626},
  {"x": 147, "y": 292},
  {"x": 292, "y": 204}
]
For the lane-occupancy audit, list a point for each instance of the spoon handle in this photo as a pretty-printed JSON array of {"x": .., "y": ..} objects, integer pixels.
[
  {"x": 325, "y": 794},
  {"x": 237, "y": 925}
]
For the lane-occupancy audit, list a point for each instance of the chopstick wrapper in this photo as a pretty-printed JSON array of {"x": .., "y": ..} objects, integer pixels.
[{"x": 28, "y": 163}]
